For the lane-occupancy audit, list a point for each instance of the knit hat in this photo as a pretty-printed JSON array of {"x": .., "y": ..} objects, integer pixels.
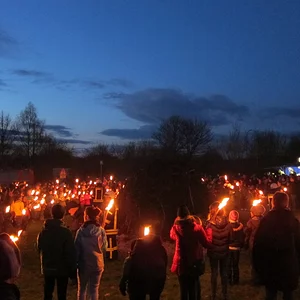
[
  {"x": 92, "y": 212},
  {"x": 280, "y": 200},
  {"x": 233, "y": 216},
  {"x": 258, "y": 210},
  {"x": 183, "y": 212}
]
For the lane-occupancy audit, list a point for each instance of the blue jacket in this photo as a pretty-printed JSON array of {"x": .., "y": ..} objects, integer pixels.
[{"x": 90, "y": 243}]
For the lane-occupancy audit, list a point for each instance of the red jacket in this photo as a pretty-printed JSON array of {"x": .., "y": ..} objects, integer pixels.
[{"x": 190, "y": 239}]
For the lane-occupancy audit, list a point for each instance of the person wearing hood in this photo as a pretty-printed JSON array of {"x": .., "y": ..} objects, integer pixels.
[
  {"x": 257, "y": 212},
  {"x": 90, "y": 243},
  {"x": 188, "y": 261},
  {"x": 145, "y": 270},
  {"x": 235, "y": 247},
  {"x": 219, "y": 233},
  {"x": 276, "y": 249},
  {"x": 10, "y": 265},
  {"x": 58, "y": 258}
]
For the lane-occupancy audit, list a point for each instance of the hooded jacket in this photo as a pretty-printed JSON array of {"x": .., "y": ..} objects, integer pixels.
[
  {"x": 276, "y": 250},
  {"x": 219, "y": 233},
  {"x": 56, "y": 247},
  {"x": 90, "y": 243},
  {"x": 250, "y": 231},
  {"x": 190, "y": 239}
]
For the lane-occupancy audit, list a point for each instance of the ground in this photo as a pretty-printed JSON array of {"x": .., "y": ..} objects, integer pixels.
[{"x": 31, "y": 282}]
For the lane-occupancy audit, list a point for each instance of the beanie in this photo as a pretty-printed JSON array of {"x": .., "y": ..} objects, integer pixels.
[
  {"x": 92, "y": 212},
  {"x": 258, "y": 210},
  {"x": 233, "y": 216},
  {"x": 183, "y": 211}
]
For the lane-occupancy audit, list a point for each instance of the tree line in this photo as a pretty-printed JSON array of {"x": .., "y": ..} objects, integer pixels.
[{"x": 161, "y": 172}]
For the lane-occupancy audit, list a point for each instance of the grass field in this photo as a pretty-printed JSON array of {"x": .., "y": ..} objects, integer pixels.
[{"x": 31, "y": 281}]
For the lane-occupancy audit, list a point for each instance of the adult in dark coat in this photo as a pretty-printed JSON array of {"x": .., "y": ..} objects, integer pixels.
[
  {"x": 58, "y": 257},
  {"x": 276, "y": 249}
]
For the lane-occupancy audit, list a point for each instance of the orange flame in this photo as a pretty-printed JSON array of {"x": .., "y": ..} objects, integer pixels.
[
  {"x": 223, "y": 203},
  {"x": 7, "y": 209},
  {"x": 256, "y": 202},
  {"x": 146, "y": 230},
  {"x": 110, "y": 205}
]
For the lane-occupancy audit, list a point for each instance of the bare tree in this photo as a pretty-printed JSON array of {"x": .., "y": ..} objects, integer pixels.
[
  {"x": 236, "y": 144},
  {"x": 7, "y": 135},
  {"x": 185, "y": 136},
  {"x": 31, "y": 132}
]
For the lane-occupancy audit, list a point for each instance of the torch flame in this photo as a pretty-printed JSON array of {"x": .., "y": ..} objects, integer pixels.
[
  {"x": 261, "y": 192},
  {"x": 32, "y": 192},
  {"x": 91, "y": 192},
  {"x": 226, "y": 177},
  {"x": 146, "y": 230},
  {"x": 42, "y": 201},
  {"x": 110, "y": 205},
  {"x": 237, "y": 184},
  {"x": 52, "y": 201},
  {"x": 23, "y": 211},
  {"x": 223, "y": 203},
  {"x": 285, "y": 189},
  {"x": 14, "y": 238},
  {"x": 37, "y": 206},
  {"x": 256, "y": 202},
  {"x": 7, "y": 209},
  {"x": 20, "y": 232},
  {"x": 111, "y": 177}
]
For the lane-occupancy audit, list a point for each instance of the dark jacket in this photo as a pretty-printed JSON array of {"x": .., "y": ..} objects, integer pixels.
[
  {"x": 9, "y": 291},
  {"x": 147, "y": 266},
  {"x": 56, "y": 247},
  {"x": 219, "y": 233},
  {"x": 237, "y": 237},
  {"x": 276, "y": 250},
  {"x": 90, "y": 243},
  {"x": 190, "y": 239},
  {"x": 250, "y": 231}
]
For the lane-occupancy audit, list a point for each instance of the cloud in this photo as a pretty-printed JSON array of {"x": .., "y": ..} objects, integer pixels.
[
  {"x": 101, "y": 84},
  {"x": 7, "y": 43},
  {"x": 75, "y": 141},
  {"x": 120, "y": 82},
  {"x": 60, "y": 130},
  {"x": 274, "y": 112},
  {"x": 2, "y": 83},
  {"x": 151, "y": 106},
  {"x": 144, "y": 132}
]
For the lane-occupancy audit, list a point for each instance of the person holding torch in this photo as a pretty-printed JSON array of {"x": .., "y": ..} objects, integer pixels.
[
  {"x": 219, "y": 233},
  {"x": 188, "y": 261}
]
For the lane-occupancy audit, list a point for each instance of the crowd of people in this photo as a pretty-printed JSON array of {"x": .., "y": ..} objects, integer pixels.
[{"x": 271, "y": 235}]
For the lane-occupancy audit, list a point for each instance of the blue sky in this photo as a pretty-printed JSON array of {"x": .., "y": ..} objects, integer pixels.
[{"x": 110, "y": 71}]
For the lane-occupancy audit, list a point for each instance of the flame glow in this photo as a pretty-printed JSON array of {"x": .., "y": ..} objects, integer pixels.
[
  {"x": 146, "y": 230},
  {"x": 223, "y": 203},
  {"x": 285, "y": 189},
  {"x": 256, "y": 202},
  {"x": 226, "y": 177},
  {"x": 110, "y": 205},
  {"x": 23, "y": 211},
  {"x": 7, "y": 209},
  {"x": 52, "y": 201},
  {"x": 261, "y": 192},
  {"x": 37, "y": 206}
]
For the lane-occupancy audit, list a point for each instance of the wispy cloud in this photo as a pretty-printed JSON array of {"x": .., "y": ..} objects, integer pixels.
[
  {"x": 2, "y": 83},
  {"x": 60, "y": 130},
  {"x": 144, "y": 132},
  {"x": 7, "y": 43}
]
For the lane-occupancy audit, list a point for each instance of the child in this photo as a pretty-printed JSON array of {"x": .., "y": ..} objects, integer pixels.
[
  {"x": 257, "y": 213},
  {"x": 126, "y": 271},
  {"x": 237, "y": 242}
]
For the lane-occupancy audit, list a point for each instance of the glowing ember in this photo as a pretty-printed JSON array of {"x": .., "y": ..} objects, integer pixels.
[
  {"x": 7, "y": 209},
  {"x": 146, "y": 230},
  {"x": 223, "y": 203},
  {"x": 256, "y": 202},
  {"x": 110, "y": 205}
]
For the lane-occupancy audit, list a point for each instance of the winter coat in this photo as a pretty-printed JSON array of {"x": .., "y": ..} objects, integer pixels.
[
  {"x": 147, "y": 266},
  {"x": 250, "y": 231},
  {"x": 219, "y": 234},
  {"x": 56, "y": 248},
  {"x": 276, "y": 250},
  {"x": 190, "y": 239},
  {"x": 237, "y": 237},
  {"x": 9, "y": 291},
  {"x": 90, "y": 243}
]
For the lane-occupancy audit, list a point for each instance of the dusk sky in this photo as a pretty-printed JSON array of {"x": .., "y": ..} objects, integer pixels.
[{"x": 110, "y": 71}]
